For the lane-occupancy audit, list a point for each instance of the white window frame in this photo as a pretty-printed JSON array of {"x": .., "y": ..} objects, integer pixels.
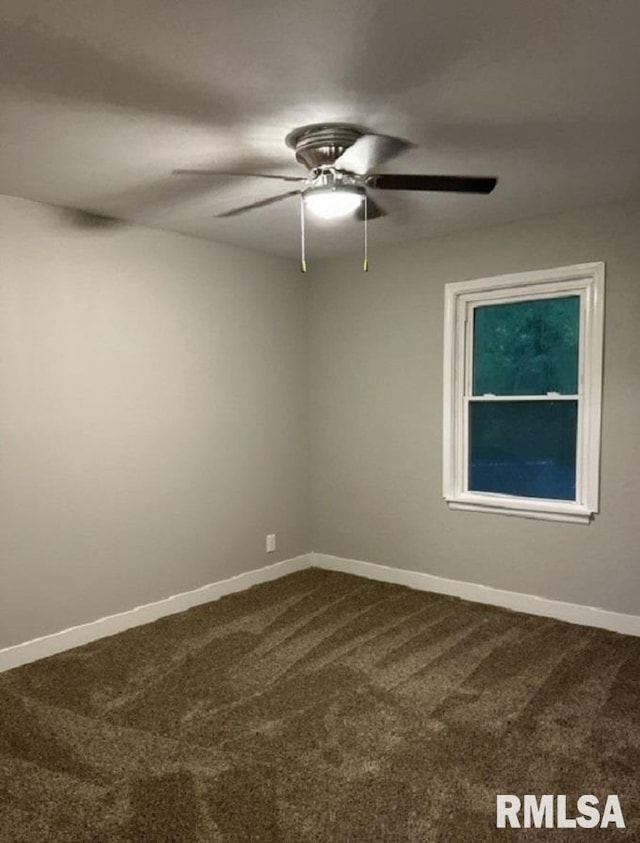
[{"x": 585, "y": 280}]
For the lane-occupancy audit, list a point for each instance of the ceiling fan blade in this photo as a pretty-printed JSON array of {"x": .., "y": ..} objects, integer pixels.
[
  {"x": 455, "y": 184},
  {"x": 371, "y": 151},
  {"x": 228, "y": 173},
  {"x": 374, "y": 210},
  {"x": 261, "y": 204}
]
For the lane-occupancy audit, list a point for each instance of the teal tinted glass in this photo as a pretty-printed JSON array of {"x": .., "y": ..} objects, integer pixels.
[
  {"x": 526, "y": 348},
  {"x": 524, "y": 448}
]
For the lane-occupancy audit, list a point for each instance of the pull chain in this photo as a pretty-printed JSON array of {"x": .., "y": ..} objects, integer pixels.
[
  {"x": 303, "y": 261},
  {"x": 365, "y": 265}
]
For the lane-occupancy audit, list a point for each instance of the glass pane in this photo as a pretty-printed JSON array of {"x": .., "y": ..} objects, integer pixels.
[
  {"x": 525, "y": 448},
  {"x": 526, "y": 348}
]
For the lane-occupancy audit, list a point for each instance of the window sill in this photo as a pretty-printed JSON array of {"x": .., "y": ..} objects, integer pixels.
[{"x": 536, "y": 508}]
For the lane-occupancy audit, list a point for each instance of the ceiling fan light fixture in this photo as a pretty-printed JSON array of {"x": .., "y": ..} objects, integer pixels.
[
  {"x": 333, "y": 203},
  {"x": 342, "y": 160}
]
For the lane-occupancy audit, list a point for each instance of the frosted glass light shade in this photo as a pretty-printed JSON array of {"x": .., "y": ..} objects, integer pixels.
[{"x": 331, "y": 204}]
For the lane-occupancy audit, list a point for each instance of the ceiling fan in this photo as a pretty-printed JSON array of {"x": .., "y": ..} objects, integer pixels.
[{"x": 340, "y": 158}]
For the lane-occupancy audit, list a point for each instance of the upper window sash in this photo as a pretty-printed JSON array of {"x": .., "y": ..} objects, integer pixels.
[
  {"x": 469, "y": 327},
  {"x": 461, "y": 298}
]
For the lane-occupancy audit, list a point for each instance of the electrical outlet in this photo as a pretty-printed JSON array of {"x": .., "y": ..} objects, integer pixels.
[{"x": 271, "y": 542}]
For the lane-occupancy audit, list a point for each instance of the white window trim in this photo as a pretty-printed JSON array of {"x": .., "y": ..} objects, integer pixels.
[{"x": 585, "y": 280}]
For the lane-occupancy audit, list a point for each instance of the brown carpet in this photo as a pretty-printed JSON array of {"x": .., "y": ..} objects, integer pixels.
[{"x": 319, "y": 707}]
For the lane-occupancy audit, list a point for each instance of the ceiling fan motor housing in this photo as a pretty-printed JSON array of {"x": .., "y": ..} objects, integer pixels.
[{"x": 321, "y": 144}]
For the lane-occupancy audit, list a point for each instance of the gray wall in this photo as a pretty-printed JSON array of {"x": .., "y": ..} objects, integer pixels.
[
  {"x": 376, "y": 415},
  {"x": 152, "y": 417},
  {"x": 154, "y": 422}
]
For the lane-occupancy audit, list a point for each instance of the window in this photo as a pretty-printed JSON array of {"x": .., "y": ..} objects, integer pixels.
[{"x": 522, "y": 393}]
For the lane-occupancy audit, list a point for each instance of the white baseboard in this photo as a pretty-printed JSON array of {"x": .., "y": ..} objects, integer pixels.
[
  {"x": 75, "y": 636},
  {"x": 529, "y": 603}
]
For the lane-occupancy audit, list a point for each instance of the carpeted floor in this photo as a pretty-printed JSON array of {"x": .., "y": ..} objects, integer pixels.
[{"x": 319, "y": 708}]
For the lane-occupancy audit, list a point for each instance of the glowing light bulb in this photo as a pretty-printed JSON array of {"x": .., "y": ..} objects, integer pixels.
[{"x": 334, "y": 203}]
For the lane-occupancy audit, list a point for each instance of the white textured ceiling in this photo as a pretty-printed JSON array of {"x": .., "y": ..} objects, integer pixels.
[{"x": 101, "y": 101}]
